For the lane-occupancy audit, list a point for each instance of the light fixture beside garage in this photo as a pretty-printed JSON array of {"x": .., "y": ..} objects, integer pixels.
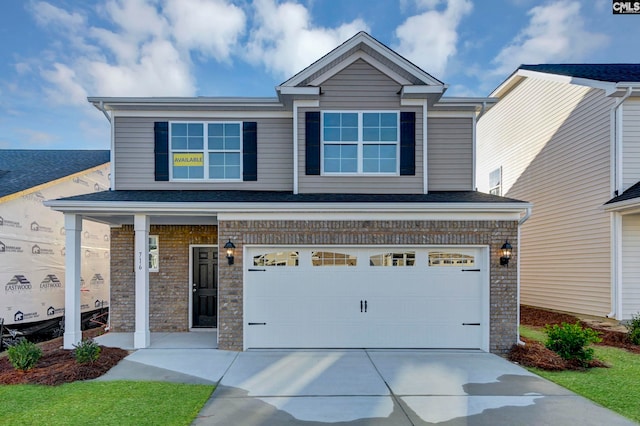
[
  {"x": 505, "y": 252},
  {"x": 230, "y": 247}
]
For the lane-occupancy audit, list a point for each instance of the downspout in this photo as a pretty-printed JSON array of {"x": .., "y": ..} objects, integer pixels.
[
  {"x": 616, "y": 288},
  {"x": 482, "y": 110},
  {"x": 522, "y": 220},
  {"x": 295, "y": 147},
  {"x": 100, "y": 106}
]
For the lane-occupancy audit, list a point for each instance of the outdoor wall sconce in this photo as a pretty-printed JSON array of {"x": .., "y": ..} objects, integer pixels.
[
  {"x": 505, "y": 252},
  {"x": 230, "y": 247}
]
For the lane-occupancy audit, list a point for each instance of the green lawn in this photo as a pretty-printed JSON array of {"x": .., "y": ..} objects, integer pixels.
[
  {"x": 617, "y": 387},
  {"x": 103, "y": 403}
]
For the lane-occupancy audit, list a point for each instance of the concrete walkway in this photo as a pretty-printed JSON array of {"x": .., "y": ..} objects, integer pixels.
[{"x": 363, "y": 387}]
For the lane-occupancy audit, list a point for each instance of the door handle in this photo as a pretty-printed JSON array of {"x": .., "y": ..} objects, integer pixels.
[
  {"x": 365, "y": 306},
  {"x": 361, "y": 306}
]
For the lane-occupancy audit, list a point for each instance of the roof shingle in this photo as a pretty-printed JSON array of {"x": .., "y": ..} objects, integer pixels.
[
  {"x": 169, "y": 196},
  {"x": 629, "y": 194},
  {"x": 615, "y": 73},
  {"x": 21, "y": 169}
]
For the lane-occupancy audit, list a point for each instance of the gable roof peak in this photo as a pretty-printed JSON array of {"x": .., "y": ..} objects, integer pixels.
[{"x": 362, "y": 41}]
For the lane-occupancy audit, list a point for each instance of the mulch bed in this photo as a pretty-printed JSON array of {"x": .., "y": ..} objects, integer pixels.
[
  {"x": 535, "y": 354},
  {"x": 58, "y": 366}
]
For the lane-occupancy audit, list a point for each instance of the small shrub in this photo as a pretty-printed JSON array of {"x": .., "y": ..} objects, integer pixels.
[
  {"x": 634, "y": 329},
  {"x": 86, "y": 351},
  {"x": 24, "y": 355},
  {"x": 570, "y": 341}
]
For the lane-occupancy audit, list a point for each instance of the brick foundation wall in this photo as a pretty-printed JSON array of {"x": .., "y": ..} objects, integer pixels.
[
  {"x": 168, "y": 289},
  {"x": 503, "y": 291}
]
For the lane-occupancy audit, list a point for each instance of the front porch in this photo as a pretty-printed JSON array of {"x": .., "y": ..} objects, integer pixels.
[{"x": 205, "y": 339}]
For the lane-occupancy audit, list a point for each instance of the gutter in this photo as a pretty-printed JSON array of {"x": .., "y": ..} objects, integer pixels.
[
  {"x": 522, "y": 220},
  {"x": 617, "y": 143},
  {"x": 238, "y": 207},
  {"x": 101, "y": 107}
]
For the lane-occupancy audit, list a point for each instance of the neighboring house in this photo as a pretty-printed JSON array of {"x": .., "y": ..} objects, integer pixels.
[
  {"x": 566, "y": 137},
  {"x": 32, "y": 236},
  {"x": 347, "y": 204}
]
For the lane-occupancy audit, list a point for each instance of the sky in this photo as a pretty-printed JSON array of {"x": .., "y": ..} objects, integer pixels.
[{"x": 56, "y": 53}]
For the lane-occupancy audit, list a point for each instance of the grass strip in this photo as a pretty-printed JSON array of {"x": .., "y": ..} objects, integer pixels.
[
  {"x": 615, "y": 388},
  {"x": 103, "y": 403}
]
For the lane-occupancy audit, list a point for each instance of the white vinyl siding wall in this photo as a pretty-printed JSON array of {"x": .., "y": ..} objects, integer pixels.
[
  {"x": 360, "y": 87},
  {"x": 134, "y": 156},
  {"x": 552, "y": 141},
  {"x": 630, "y": 265},
  {"x": 631, "y": 142},
  {"x": 450, "y": 154}
]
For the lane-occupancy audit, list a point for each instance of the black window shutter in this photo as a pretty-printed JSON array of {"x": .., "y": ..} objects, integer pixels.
[
  {"x": 407, "y": 143},
  {"x": 250, "y": 151},
  {"x": 312, "y": 136},
  {"x": 161, "y": 150}
]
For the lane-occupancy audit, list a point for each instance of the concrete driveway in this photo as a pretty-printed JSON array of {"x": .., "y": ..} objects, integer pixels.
[{"x": 386, "y": 387}]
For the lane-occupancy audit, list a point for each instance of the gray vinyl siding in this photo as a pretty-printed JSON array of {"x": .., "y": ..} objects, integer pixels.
[
  {"x": 450, "y": 154},
  {"x": 630, "y": 266},
  {"x": 552, "y": 141},
  {"x": 134, "y": 156},
  {"x": 631, "y": 142},
  {"x": 360, "y": 87}
]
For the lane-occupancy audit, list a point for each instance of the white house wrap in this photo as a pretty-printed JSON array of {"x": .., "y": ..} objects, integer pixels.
[{"x": 32, "y": 252}]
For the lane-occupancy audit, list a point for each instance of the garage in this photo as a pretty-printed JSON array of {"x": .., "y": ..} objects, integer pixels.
[{"x": 366, "y": 297}]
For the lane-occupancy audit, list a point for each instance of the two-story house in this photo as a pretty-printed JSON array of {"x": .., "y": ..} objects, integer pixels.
[
  {"x": 339, "y": 214},
  {"x": 566, "y": 137}
]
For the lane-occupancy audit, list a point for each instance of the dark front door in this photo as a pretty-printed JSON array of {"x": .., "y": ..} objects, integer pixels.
[{"x": 205, "y": 287}]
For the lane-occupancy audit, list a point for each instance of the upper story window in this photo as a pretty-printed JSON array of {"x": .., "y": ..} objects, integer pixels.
[
  {"x": 360, "y": 142},
  {"x": 495, "y": 182},
  {"x": 206, "y": 151}
]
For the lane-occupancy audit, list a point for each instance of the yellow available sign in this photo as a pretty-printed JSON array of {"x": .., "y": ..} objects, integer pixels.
[{"x": 188, "y": 159}]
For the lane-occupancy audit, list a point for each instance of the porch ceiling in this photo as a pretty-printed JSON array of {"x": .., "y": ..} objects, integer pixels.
[{"x": 127, "y": 219}]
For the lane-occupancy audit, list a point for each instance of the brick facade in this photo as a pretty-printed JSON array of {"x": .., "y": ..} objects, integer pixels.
[
  {"x": 168, "y": 288},
  {"x": 503, "y": 286}
]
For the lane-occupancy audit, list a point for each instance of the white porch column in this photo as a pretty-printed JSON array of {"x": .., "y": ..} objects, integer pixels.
[
  {"x": 73, "y": 250},
  {"x": 141, "y": 337}
]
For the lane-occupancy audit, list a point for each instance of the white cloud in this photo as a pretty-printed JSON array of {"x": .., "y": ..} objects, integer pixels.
[
  {"x": 430, "y": 39},
  {"x": 138, "y": 19},
  {"x": 159, "y": 71},
  {"x": 144, "y": 49},
  {"x": 47, "y": 15},
  {"x": 286, "y": 41},
  {"x": 210, "y": 27},
  {"x": 556, "y": 33},
  {"x": 65, "y": 89},
  {"x": 36, "y": 137},
  {"x": 22, "y": 67}
]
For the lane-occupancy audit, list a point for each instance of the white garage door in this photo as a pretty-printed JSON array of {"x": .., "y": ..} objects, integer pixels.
[{"x": 374, "y": 297}]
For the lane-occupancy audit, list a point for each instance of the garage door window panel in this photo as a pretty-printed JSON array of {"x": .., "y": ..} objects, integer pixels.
[
  {"x": 445, "y": 259},
  {"x": 277, "y": 258},
  {"x": 329, "y": 258},
  {"x": 407, "y": 258}
]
